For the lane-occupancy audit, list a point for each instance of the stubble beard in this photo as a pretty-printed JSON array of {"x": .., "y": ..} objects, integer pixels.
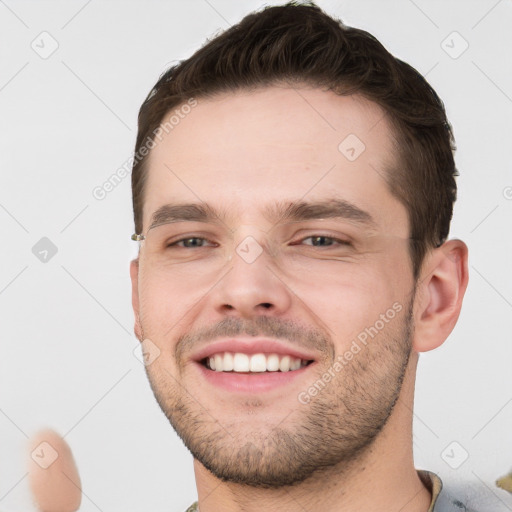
[{"x": 334, "y": 430}]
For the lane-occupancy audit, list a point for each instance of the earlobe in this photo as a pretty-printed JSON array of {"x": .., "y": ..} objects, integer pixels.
[
  {"x": 134, "y": 276},
  {"x": 440, "y": 291}
]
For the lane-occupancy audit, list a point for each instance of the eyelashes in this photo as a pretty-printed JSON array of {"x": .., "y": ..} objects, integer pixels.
[{"x": 332, "y": 242}]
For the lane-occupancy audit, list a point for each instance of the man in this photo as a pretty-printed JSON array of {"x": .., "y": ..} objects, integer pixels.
[
  {"x": 293, "y": 186},
  {"x": 293, "y": 189}
]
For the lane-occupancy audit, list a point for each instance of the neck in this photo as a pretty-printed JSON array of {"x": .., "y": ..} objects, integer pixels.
[{"x": 382, "y": 478}]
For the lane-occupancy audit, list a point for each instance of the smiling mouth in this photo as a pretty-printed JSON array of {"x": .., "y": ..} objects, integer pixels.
[{"x": 238, "y": 362}]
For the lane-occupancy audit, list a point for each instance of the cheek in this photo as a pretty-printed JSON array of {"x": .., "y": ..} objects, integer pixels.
[
  {"x": 170, "y": 300},
  {"x": 160, "y": 304},
  {"x": 350, "y": 298}
]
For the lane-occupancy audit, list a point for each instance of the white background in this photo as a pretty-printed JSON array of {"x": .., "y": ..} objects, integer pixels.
[{"x": 68, "y": 122}]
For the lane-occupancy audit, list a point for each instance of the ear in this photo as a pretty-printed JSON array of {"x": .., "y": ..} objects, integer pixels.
[
  {"x": 439, "y": 294},
  {"x": 134, "y": 276}
]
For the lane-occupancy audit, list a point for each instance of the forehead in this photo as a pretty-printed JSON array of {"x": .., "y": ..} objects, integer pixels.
[{"x": 242, "y": 152}]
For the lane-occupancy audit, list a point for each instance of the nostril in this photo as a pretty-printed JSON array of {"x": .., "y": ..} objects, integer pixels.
[{"x": 266, "y": 305}]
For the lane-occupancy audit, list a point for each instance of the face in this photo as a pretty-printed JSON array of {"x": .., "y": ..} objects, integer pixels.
[{"x": 274, "y": 286}]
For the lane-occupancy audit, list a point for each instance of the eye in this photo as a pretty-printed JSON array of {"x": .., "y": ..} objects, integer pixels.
[
  {"x": 325, "y": 241},
  {"x": 189, "y": 242}
]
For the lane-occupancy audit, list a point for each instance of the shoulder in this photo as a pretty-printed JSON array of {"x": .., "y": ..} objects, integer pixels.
[{"x": 465, "y": 496}]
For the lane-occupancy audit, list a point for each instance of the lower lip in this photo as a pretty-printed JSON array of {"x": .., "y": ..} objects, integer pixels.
[{"x": 251, "y": 382}]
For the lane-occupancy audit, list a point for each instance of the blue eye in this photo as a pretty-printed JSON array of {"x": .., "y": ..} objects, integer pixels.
[
  {"x": 186, "y": 241},
  {"x": 318, "y": 239}
]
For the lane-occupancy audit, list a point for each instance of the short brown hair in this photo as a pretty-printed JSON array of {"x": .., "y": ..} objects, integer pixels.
[{"x": 299, "y": 43}]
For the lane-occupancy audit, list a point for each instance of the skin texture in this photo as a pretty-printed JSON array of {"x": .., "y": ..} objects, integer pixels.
[
  {"x": 350, "y": 447},
  {"x": 53, "y": 475}
]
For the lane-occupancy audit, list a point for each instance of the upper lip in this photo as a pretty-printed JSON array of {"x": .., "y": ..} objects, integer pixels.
[{"x": 251, "y": 346}]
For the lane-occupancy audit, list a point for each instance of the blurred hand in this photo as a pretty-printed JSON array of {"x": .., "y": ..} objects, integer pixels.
[{"x": 53, "y": 475}]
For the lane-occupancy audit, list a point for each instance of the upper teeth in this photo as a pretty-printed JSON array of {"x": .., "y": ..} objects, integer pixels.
[{"x": 240, "y": 362}]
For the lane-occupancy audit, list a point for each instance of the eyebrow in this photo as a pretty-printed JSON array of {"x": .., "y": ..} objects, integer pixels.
[
  {"x": 191, "y": 212},
  {"x": 326, "y": 209},
  {"x": 281, "y": 212}
]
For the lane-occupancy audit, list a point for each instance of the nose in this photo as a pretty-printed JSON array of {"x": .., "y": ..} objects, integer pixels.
[{"x": 252, "y": 284}]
